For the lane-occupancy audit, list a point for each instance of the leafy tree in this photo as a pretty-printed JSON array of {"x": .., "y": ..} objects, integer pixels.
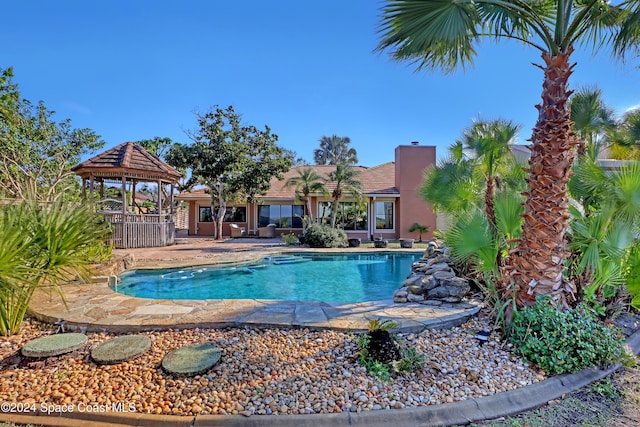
[
  {"x": 156, "y": 146},
  {"x": 344, "y": 178},
  {"x": 234, "y": 161},
  {"x": 36, "y": 153},
  {"x": 335, "y": 150},
  {"x": 307, "y": 182},
  {"x": 443, "y": 34}
]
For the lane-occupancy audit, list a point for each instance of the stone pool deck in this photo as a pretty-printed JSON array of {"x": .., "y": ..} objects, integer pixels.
[{"x": 96, "y": 307}]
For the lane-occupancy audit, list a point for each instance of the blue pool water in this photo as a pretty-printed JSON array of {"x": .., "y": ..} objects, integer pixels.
[{"x": 305, "y": 277}]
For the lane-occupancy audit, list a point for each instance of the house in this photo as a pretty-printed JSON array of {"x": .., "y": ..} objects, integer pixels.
[{"x": 392, "y": 202}]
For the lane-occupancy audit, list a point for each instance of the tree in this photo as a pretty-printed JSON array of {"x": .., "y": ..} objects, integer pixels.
[
  {"x": 344, "y": 179},
  {"x": 592, "y": 120},
  {"x": 156, "y": 146},
  {"x": 334, "y": 150},
  {"x": 626, "y": 137},
  {"x": 420, "y": 229},
  {"x": 443, "y": 34},
  {"x": 236, "y": 162},
  {"x": 307, "y": 182},
  {"x": 36, "y": 153},
  {"x": 489, "y": 145}
]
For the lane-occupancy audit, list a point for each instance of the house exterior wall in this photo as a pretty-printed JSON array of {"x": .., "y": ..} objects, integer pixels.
[
  {"x": 405, "y": 174},
  {"x": 410, "y": 164}
]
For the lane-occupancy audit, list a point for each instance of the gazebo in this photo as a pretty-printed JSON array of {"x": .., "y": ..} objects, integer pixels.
[{"x": 127, "y": 165}]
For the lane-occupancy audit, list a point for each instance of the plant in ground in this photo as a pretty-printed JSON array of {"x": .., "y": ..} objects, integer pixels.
[
  {"x": 420, "y": 229},
  {"x": 289, "y": 239},
  {"x": 324, "y": 236},
  {"x": 43, "y": 246},
  {"x": 564, "y": 341}
]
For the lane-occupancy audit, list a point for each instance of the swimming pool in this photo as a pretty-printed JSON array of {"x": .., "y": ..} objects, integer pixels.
[{"x": 298, "y": 276}]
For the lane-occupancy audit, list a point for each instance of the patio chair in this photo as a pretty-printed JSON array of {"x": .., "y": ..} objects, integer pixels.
[
  {"x": 268, "y": 231},
  {"x": 236, "y": 230}
]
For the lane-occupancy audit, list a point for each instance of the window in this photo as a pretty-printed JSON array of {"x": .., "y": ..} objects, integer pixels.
[
  {"x": 384, "y": 215},
  {"x": 350, "y": 215},
  {"x": 232, "y": 214},
  {"x": 283, "y": 216},
  {"x": 204, "y": 214}
]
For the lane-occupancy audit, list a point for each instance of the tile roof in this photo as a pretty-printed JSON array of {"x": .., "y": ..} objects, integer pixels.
[
  {"x": 377, "y": 180},
  {"x": 130, "y": 159}
]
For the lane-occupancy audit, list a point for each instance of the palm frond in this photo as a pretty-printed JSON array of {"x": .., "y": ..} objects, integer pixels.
[
  {"x": 508, "y": 209},
  {"x": 471, "y": 241}
]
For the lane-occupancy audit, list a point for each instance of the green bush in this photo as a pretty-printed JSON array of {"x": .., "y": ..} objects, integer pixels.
[
  {"x": 323, "y": 236},
  {"x": 564, "y": 341},
  {"x": 289, "y": 239}
]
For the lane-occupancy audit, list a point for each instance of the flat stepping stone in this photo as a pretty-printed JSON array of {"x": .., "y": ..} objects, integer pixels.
[
  {"x": 54, "y": 345},
  {"x": 120, "y": 349},
  {"x": 191, "y": 360}
]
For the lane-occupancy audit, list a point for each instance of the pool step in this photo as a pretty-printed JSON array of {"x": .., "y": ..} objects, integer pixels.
[{"x": 289, "y": 260}]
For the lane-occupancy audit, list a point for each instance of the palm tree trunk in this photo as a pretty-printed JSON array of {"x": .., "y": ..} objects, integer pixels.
[
  {"x": 535, "y": 267},
  {"x": 488, "y": 205}
]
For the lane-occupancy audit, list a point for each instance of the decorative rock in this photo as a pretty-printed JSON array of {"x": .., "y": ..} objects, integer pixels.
[
  {"x": 428, "y": 283},
  {"x": 54, "y": 345},
  {"x": 416, "y": 290},
  {"x": 415, "y": 298},
  {"x": 121, "y": 349},
  {"x": 400, "y": 296},
  {"x": 457, "y": 286},
  {"x": 192, "y": 359},
  {"x": 442, "y": 274},
  {"x": 435, "y": 278}
]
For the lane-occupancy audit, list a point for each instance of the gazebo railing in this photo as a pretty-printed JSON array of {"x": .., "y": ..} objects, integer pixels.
[{"x": 141, "y": 230}]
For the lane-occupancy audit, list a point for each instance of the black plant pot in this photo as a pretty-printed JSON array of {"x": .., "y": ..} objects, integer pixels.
[
  {"x": 380, "y": 243},
  {"x": 354, "y": 243}
]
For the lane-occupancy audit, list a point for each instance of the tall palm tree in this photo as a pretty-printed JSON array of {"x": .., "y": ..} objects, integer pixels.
[
  {"x": 441, "y": 34},
  {"x": 307, "y": 182},
  {"x": 489, "y": 143},
  {"x": 334, "y": 150},
  {"x": 344, "y": 179}
]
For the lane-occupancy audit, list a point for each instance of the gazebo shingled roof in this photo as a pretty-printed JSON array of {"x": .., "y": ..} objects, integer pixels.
[{"x": 128, "y": 160}]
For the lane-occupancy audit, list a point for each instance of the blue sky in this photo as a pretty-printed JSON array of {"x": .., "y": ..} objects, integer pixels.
[{"x": 133, "y": 70}]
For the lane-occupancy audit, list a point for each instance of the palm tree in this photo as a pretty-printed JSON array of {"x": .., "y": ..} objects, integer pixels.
[
  {"x": 592, "y": 120},
  {"x": 334, "y": 150},
  {"x": 442, "y": 35},
  {"x": 626, "y": 137},
  {"x": 344, "y": 178},
  {"x": 307, "y": 182},
  {"x": 489, "y": 144}
]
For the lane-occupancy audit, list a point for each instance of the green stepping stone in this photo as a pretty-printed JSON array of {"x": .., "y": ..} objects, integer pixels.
[
  {"x": 192, "y": 359},
  {"x": 54, "y": 345},
  {"x": 121, "y": 349}
]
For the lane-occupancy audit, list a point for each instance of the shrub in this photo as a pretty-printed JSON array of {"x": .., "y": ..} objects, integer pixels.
[
  {"x": 564, "y": 341},
  {"x": 289, "y": 239},
  {"x": 323, "y": 236}
]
